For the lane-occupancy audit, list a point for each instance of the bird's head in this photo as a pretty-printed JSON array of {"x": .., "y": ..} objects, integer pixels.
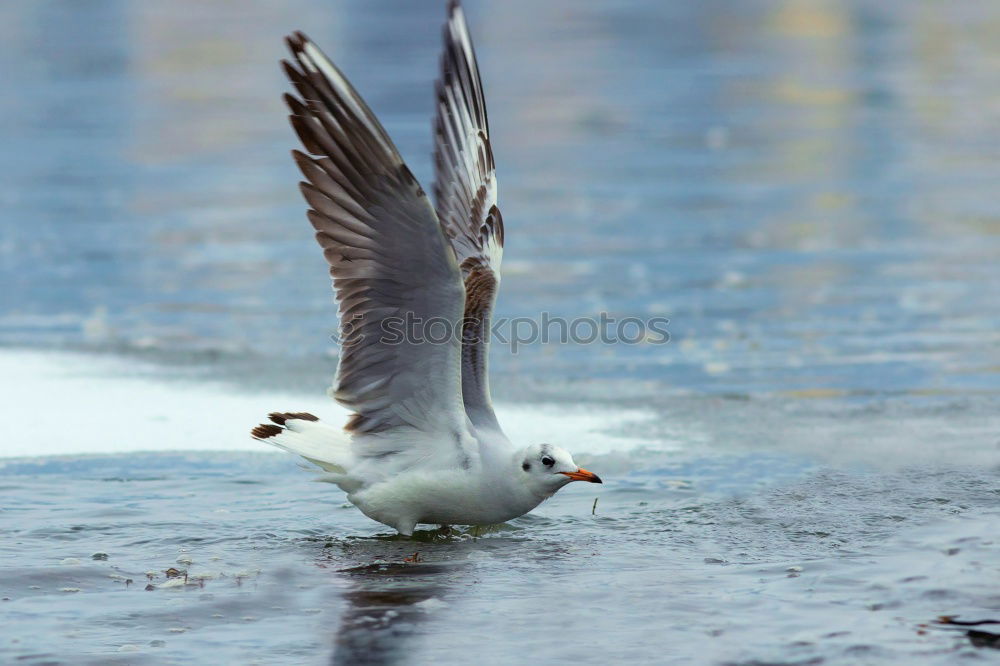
[{"x": 546, "y": 468}]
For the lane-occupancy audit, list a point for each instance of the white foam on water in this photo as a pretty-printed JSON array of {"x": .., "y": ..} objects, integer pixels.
[{"x": 65, "y": 403}]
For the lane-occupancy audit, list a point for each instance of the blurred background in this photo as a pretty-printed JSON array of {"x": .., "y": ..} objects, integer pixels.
[{"x": 807, "y": 189}]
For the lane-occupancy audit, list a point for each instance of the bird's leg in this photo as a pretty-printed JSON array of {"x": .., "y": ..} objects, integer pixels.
[{"x": 405, "y": 527}]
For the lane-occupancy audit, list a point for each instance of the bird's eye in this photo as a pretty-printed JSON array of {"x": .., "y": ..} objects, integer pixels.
[{"x": 548, "y": 461}]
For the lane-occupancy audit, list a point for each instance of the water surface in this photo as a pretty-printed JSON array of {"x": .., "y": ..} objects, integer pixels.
[{"x": 806, "y": 473}]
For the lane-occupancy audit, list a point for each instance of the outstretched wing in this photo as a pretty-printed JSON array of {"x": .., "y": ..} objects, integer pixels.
[
  {"x": 465, "y": 190},
  {"x": 391, "y": 265}
]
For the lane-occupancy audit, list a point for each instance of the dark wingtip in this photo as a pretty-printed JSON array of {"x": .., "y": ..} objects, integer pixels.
[
  {"x": 265, "y": 430},
  {"x": 281, "y": 417}
]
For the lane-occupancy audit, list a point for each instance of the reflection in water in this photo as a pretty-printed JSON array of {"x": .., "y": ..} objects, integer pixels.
[
  {"x": 386, "y": 603},
  {"x": 406, "y": 582}
]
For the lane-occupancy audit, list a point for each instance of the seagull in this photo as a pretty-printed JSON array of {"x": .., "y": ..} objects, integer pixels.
[{"x": 423, "y": 445}]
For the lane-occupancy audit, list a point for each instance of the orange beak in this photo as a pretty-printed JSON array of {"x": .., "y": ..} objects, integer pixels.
[{"x": 583, "y": 475}]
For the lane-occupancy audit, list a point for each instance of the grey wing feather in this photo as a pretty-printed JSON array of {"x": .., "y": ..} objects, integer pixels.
[
  {"x": 388, "y": 257},
  {"x": 465, "y": 191}
]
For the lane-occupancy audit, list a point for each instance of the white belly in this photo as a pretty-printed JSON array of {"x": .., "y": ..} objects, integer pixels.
[{"x": 440, "y": 498}]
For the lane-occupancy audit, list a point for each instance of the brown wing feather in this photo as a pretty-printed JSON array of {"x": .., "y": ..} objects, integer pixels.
[
  {"x": 388, "y": 256},
  {"x": 465, "y": 191}
]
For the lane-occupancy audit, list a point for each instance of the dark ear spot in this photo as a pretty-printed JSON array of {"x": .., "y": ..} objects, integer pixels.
[{"x": 526, "y": 466}]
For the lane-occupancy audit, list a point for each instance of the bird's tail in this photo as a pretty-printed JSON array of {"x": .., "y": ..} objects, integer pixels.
[{"x": 305, "y": 435}]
